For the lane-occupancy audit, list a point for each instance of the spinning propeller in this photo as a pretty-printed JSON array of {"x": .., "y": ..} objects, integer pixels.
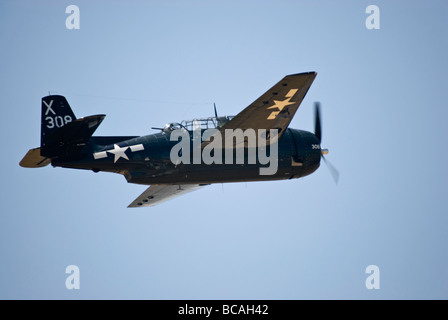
[{"x": 318, "y": 132}]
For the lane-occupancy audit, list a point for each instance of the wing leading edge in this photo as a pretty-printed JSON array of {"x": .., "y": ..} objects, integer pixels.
[{"x": 156, "y": 194}]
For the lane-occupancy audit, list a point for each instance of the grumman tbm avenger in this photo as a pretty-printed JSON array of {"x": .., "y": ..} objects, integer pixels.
[{"x": 254, "y": 145}]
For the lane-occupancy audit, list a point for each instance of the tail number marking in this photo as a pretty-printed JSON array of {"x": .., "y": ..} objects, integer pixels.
[{"x": 58, "y": 121}]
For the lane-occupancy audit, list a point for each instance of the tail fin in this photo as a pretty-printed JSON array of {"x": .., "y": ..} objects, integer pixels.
[
  {"x": 56, "y": 113},
  {"x": 62, "y": 135}
]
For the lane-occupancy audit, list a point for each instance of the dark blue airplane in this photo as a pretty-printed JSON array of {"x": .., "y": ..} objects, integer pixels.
[{"x": 170, "y": 165}]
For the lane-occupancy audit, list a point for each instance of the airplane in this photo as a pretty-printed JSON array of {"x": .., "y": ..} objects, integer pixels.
[{"x": 68, "y": 142}]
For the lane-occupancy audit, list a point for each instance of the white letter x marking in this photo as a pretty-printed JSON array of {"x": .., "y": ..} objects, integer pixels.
[{"x": 49, "y": 107}]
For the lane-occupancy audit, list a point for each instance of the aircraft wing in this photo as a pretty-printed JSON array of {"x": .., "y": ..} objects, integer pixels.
[
  {"x": 275, "y": 108},
  {"x": 159, "y": 193}
]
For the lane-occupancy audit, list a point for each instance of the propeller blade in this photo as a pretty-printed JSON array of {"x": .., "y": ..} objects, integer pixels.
[
  {"x": 333, "y": 171},
  {"x": 317, "y": 125}
]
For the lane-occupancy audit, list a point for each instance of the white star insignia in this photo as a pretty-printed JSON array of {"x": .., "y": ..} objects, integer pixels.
[{"x": 119, "y": 152}]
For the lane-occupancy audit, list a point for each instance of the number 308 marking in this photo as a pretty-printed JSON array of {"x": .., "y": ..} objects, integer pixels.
[{"x": 58, "y": 121}]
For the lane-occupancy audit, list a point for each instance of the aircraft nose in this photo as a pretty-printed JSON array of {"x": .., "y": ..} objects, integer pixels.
[
  {"x": 316, "y": 150},
  {"x": 308, "y": 150},
  {"x": 313, "y": 153}
]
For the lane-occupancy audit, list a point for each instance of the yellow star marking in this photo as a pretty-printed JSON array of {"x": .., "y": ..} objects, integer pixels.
[{"x": 281, "y": 104}]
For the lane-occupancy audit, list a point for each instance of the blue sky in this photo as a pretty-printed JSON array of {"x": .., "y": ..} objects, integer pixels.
[{"x": 383, "y": 94}]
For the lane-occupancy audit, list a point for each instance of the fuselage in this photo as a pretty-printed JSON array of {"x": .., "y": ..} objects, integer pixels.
[{"x": 146, "y": 160}]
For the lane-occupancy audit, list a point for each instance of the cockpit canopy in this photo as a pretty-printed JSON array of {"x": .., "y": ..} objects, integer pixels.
[
  {"x": 206, "y": 123},
  {"x": 203, "y": 124}
]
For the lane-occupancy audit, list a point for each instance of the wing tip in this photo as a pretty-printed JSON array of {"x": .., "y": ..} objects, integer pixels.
[
  {"x": 140, "y": 204},
  {"x": 303, "y": 73}
]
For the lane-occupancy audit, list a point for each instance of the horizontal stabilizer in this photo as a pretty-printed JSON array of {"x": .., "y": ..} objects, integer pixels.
[
  {"x": 33, "y": 159},
  {"x": 72, "y": 135}
]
